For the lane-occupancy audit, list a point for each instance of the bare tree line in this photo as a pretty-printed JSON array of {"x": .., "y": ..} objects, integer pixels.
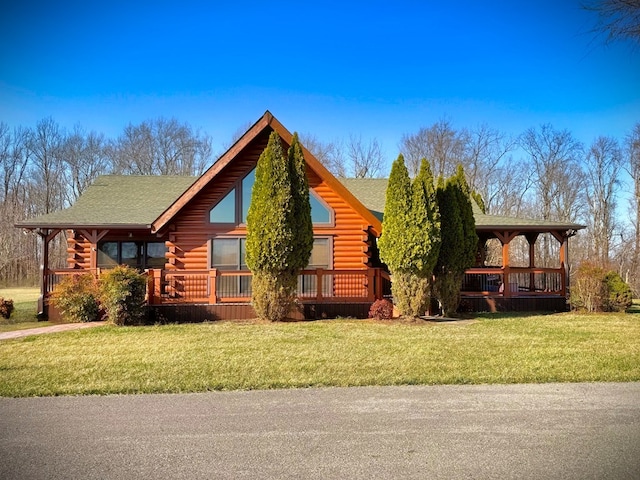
[
  {"x": 543, "y": 173},
  {"x": 46, "y": 168}
]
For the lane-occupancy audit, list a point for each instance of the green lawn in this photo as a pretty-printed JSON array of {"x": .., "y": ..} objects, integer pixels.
[
  {"x": 25, "y": 305},
  {"x": 231, "y": 355}
]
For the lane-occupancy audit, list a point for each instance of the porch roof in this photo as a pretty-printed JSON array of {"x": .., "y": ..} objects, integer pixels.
[
  {"x": 372, "y": 193},
  {"x": 117, "y": 201}
]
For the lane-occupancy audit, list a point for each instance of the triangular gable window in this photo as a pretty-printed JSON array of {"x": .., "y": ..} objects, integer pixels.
[
  {"x": 237, "y": 200},
  {"x": 321, "y": 213},
  {"x": 225, "y": 210}
]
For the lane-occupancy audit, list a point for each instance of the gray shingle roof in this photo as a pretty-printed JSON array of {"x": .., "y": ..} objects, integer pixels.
[
  {"x": 138, "y": 200},
  {"x": 372, "y": 193},
  {"x": 118, "y": 200}
]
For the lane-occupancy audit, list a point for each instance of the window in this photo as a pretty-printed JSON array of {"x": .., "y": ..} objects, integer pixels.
[
  {"x": 225, "y": 210},
  {"x": 234, "y": 206},
  {"x": 136, "y": 254},
  {"x": 320, "y": 258},
  {"x": 321, "y": 214},
  {"x": 247, "y": 188},
  {"x": 228, "y": 253}
]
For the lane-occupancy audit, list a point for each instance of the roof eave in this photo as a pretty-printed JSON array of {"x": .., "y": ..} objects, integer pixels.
[{"x": 68, "y": 226}]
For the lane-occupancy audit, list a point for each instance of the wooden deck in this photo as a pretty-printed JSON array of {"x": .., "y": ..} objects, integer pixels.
[{"x": 192, "y": 296}]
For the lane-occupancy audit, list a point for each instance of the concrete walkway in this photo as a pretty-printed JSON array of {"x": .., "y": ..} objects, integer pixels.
[{"x": 64, "y": 327}]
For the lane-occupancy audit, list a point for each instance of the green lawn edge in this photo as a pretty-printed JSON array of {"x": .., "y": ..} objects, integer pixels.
[{"x": 330, "y": 353}]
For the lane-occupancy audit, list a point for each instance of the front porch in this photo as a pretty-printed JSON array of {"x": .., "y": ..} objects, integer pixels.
[
  {"x": 514, "y": 289},
  {"x": 192, "y": 296}
]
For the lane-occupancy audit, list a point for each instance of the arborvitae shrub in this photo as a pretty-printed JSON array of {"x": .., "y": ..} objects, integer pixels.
[
  {"x": 381, "y": 310},
  {"x": 279, "y": 228},
  {"x": 594, "y": 290},
  {"x": 587, "y": 288},
  {"x": 6, "y": 307},
  {"x": 122, "y": 294},
  {"x": 77, "y": 298},
  {"x": 619, "y": 296}
]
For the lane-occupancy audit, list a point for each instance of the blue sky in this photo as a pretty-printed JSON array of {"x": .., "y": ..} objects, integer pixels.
[{"x": 331, "y": 69}]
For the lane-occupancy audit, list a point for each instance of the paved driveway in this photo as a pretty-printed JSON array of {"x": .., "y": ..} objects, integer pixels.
[{"x": 554, "y": 431}]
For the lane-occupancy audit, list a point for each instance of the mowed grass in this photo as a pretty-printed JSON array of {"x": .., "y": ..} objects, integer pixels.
[
  {"x": 232, "y": 355},
  {"x": 25, "y": 307}
]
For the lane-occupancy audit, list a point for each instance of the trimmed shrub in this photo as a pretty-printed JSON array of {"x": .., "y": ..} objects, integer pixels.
[
  {"x": 6, "y": 307},
  {"x": 587, "y": 288},
  {"x": 122, "y": 294},
  {"x": 381, "y": 310},
  {"x": 620, "y": 296},
  {"x": 76, "y": 298},
  {"x": 594, "y": 290}
]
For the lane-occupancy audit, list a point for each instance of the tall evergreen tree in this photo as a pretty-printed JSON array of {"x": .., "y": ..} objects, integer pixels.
[
  {"x": 303, "y": 226},
  {"x": 279, "y": 233},
  {"x": 459, "y": 240},
  {"x": 410, "y": 239}
]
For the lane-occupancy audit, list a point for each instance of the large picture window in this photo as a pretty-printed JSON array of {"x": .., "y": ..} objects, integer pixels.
[
  {"x": 228, "y": 254},
  {"x": 136, "y": 254},
  {"x": 320, "y": 258},
  {"x": 233, "y": 208}
]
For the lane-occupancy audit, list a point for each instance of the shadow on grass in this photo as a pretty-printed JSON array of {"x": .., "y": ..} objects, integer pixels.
[{"x": 501, "y": 315}]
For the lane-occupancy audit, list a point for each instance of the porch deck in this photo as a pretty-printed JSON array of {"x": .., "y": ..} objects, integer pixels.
[{"x": 222, "y": 294}]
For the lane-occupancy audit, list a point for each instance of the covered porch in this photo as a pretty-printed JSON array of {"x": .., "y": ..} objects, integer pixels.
[{"x": 528, "y": 282}]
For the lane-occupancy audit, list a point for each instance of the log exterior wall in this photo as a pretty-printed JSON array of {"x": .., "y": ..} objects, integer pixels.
[{"x": 190, "y": 231}]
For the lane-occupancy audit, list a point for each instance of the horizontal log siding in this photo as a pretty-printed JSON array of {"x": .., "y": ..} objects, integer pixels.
[
  {"x": 350, "y": 238},
  {"x": 78, "y": 251},
  {"x": 188, "y": 242}
]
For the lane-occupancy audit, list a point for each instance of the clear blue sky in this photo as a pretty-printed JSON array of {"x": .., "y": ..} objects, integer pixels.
[{"x": 375, "y": 69}]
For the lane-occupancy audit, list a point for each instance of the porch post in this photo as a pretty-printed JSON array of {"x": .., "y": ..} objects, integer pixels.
[
  {"x": 564, "y": 240},
  {"x": 371, "y": 285},
  {"x": 531, "y": 239},
  {"x": 46, "y": 235},
  {"x": 213, "y": 286},
  {"x": 319, "y": 274},
  {"x": 505, "y": 238}
]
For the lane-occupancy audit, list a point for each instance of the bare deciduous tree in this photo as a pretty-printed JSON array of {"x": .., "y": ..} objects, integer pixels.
[
  {"x": 486, "y": 161},
  {"x": 441, "y": 144},
  {"x": 330, "y": 154},
  {"x": 161, "y": 147},
  {"x": 617, "y": 19},
  {"x": 356, "y": 158},
  {"x": 603, "y": 163},
  {"x": 555, "y": 156},
  {"x": 365, "y": 158},
  {"x": 85, "y": 156},
  {"x": 45, "y": 146}
]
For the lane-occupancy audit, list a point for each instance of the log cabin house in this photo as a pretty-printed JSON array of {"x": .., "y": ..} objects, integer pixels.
[{"x": 188, "y": 234}]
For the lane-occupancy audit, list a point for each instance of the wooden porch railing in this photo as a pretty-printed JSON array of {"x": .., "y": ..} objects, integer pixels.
[
  {"x": 328, "y": 286},
  {"x": 514, "y": 281},
  {"x": 224, "y": 286}
]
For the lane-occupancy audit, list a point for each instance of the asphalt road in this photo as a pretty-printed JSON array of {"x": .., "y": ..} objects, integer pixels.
[{"x": 553, "y": 431}]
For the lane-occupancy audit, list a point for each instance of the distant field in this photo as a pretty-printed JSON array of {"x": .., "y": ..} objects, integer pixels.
[{"x": 25, "y": 302}]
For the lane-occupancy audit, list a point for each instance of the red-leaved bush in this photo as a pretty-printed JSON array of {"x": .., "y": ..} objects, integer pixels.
[{"x": 381, "y": 310}]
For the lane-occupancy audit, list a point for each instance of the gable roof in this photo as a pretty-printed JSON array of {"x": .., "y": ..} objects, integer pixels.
[
  {"x": 117, "y": 201},
  {"x": 372, "y": 193},
  {"x": 129, "y": 201},
  {"x": 266, "y": 122}
]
